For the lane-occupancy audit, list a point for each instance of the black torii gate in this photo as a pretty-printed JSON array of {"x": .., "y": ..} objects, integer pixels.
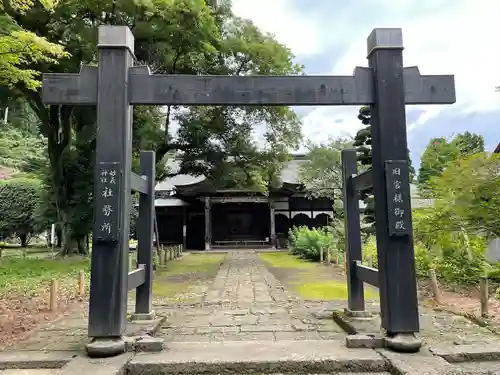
[{"x": 115, "y": 85}]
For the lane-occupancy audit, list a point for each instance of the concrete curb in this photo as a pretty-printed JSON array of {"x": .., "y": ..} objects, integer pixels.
[
  {"x": 468, "y": 353},
  {"x": 35, "y": 359},
  {"x": 309, "y": 356},
  {"x": 90, "y": 366}
]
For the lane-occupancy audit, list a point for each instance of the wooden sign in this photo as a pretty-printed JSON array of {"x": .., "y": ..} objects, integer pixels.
[
  {"x": 107, "y": 202},
  {"x": 398, "y": 197}
]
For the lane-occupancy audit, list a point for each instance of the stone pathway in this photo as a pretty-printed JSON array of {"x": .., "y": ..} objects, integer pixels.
[{"x": 246, "y": 302}]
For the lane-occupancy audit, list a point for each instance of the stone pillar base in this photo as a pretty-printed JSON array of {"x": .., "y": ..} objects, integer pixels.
[
  {"x": 143, "y": 316},
  {"x": 357, "y": 314},
  {"x": 102, "y": 347},
  {"x": 403, "y": 342}
]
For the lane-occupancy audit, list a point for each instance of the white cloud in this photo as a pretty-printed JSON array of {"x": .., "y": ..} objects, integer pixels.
[
  {"x": 290, "y": 28},
  {"x": 443, "y": 37}
]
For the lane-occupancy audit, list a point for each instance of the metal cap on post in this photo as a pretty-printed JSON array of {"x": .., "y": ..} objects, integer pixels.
[
  {"x": 384, "y": 39},
  {"x": 116, "y": 37}
]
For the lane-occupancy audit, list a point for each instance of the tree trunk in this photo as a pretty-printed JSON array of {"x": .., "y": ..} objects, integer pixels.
[
  {"x": 82, "y": 245},
  {"x": 58, "y": 237},
  {"x": 58, "y": 142},
  {"x": 24, "y": 240},
  {"x": 68, "y": 243}
]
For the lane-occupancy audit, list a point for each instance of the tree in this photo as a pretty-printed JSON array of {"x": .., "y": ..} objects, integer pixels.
[
  {"x": 20, "y": 48},
  {"x": 363, "y": 144},
  {"x": 183, "y": 37},
  {"x": 468, "y": 190},
  {"x": 439, "y": 153},
  {"x": 18, "y": 204},
  {"x": 321, "y": 174},
  {"x": 468, "y": 144}
]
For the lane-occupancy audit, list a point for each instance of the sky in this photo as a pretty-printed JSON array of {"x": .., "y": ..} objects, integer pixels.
[{"x": 457, "y": 37}]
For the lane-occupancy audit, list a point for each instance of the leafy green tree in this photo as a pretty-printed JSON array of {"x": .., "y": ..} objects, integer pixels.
[
  {"x": 321, "y": 173},
  {"x": 20, "y": 48},
  {"x": 439, "y": 153},
  {"x": 468, "y": 190},
  {"x": 19, "y": 198},
  {"x": 468, "y": 143},
  {"x": 183, "y": 37}
]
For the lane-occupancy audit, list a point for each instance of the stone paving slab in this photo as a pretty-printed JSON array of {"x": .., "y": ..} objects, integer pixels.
[
  {"x": 307, "y": 356},
  {"x": 422, "y": 363}
]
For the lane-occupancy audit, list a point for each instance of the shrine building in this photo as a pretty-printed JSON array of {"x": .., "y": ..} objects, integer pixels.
[{"x": 191, "y": 211}]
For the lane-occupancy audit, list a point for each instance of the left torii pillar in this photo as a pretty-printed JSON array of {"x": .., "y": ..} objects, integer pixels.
[{"x": 106, "y": 86}]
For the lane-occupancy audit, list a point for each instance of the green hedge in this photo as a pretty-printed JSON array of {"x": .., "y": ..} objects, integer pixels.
[{"x": 448, "y": 258}]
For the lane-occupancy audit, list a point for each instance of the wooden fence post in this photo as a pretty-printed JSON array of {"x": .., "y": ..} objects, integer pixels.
[
  {"x": 81, "y": 283},
  {"x": 484, "y": 295},
  {"x": 54, "y": 287},
  {"x": 160, "y": 257},
  {"x": 435, "y": 286}
]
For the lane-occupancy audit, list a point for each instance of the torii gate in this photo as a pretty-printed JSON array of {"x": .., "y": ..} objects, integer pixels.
[{"x": 116, "y": 85}]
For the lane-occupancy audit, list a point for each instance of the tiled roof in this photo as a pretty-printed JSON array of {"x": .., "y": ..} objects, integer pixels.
[
  {"x": 497, "y": 149},
  {"x": 289, "y": 174}
]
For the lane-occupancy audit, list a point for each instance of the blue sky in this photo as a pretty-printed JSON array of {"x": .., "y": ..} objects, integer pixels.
[{"x": 440, "y": 36}]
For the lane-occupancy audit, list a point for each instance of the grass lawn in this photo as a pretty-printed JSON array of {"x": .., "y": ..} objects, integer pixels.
[
  {"x": 312, "y": 281},
  {"x": 27, "y": 276}
]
